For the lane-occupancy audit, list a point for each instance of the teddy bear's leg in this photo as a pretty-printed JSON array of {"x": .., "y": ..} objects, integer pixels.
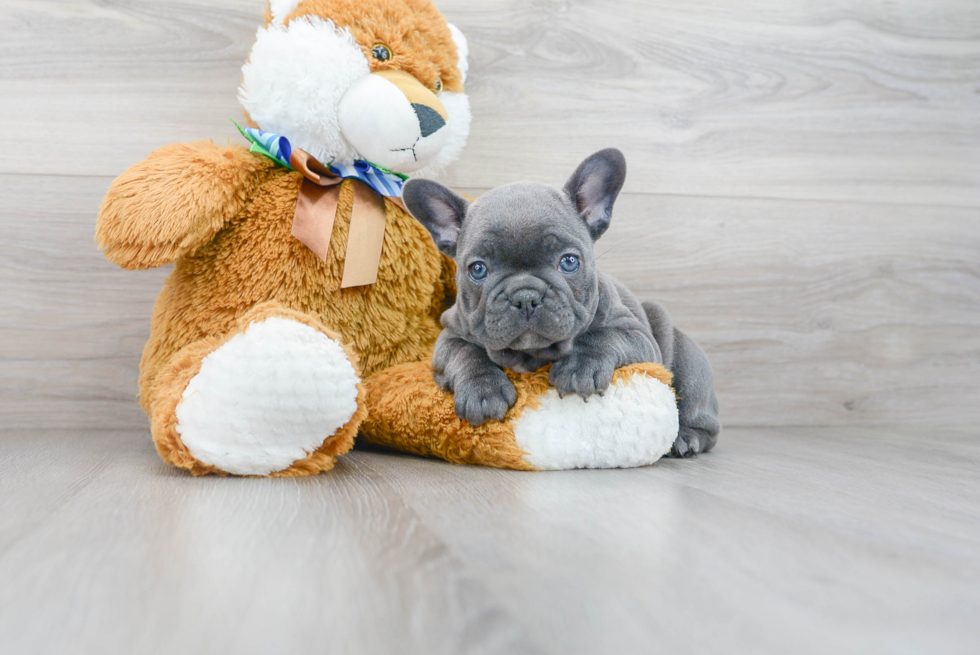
[
  {"x": 277, "y": 396},
  {"x": 633, "y": 424}
]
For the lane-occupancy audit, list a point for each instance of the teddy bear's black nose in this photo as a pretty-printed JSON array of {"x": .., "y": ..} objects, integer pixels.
[{"x": 429, "y": 119}]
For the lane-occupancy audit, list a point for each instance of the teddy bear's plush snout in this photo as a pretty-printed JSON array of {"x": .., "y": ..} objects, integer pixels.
[{"x": 393, "y": 121}]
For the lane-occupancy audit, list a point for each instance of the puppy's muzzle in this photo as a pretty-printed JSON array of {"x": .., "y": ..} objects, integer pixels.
[{"x": 526, "y": 301}]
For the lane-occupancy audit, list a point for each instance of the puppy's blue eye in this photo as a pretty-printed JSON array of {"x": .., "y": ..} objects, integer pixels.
[
  {"x": 478, "y": 271},
  {"x": 568, "y": 264}
]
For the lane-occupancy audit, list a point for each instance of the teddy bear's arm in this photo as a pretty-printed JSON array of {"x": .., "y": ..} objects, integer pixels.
[{"x": 174, "y": 202}]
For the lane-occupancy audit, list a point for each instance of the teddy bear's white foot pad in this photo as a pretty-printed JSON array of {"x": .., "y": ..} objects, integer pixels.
[
  {"x": 633, "y": 424},
  {"x": 267, "y": 398}
]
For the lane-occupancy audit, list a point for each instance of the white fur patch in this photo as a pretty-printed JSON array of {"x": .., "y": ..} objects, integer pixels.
[
  {"x": 634, "y": 424},
  {"x": 282, "y": 8},
  {"x": 463, "y": 46},
  {"x": 293, "y": 82},
  {"x": 267, "y": 398},
  {"x": 379, "y": 121}
]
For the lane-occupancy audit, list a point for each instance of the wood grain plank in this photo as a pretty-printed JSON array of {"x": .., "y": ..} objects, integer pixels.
[
  {"x": 839, "y": 540},
  {"x": 815, "y": 313},
  {"x": 842, "y": 100},
  {"x": 812, "y": 313},
  {"x": 763, "y": 546},
  {"x": 839, "y": 100},
  {"x": 829, "y": 544},
  {"x": 72, "y": 325},
  {"x": 105, "y": 550}
]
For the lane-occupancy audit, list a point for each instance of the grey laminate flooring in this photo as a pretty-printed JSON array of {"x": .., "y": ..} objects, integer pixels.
[{"x": 782, "y": 541}]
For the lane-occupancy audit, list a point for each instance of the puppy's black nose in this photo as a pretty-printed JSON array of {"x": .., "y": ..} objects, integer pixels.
[
  {"x": 526, "y": 301},
  {"x": 429, "y": 119}
]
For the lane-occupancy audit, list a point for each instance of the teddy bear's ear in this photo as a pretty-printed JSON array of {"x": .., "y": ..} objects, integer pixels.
[
  {"x": 279, "y": 9},
  {"x": 463, "y": 47},
  {"x": 594, "y": 187},
  {"x": 437, "y": 208}
]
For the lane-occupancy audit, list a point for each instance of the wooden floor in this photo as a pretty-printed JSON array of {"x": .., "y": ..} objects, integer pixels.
[
  {"x": 783, "y": 541},
  {"x": 804, "y": 196}
]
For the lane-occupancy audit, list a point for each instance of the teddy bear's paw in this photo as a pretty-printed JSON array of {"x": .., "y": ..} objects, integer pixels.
[
  {"x": 633, "y": 424},
  {"x": 267, "y": 398}
]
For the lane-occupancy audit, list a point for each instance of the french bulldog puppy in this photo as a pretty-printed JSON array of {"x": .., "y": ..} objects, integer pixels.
[{"x": 529, "y": 294}]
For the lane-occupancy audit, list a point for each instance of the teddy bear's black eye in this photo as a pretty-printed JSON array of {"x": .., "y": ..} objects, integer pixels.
[
  {"x": 437, "y": 87},
  {"x": 381, "y": 52},
  {"x": 478, "y": 271},
  {"x": 568, "y": 264}
]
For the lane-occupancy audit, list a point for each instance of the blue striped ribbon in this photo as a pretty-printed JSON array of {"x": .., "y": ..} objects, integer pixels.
[{"x": 278, "y": 149}]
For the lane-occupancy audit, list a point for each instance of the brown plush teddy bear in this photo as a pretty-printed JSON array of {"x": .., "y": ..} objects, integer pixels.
[
  {"x": 258, "y": 342},
  {"x": 297, "y": 271}
]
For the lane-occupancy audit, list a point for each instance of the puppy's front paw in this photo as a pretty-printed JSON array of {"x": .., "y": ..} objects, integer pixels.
[
  {"x": 584, "y": 374},
  {"x": 483, "y": 397}
]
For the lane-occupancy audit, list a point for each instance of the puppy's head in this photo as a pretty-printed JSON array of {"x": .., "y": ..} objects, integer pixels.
[
  {"x": 371, "y": 80},
  {"x": 526, "y": 274}
]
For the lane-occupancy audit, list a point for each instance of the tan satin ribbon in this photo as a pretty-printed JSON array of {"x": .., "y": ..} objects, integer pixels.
[
  {"x": 316, "y": 212},
  {"x": 366, "y": 237}
]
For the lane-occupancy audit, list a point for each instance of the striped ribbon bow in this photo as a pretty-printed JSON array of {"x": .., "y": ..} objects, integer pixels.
[
  {"x": 278, "y": 149},
  {"x": 319, "y": 199}
]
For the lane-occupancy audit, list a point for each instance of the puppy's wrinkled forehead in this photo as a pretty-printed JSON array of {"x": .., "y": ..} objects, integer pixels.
[{"x": 522, "y": 217}]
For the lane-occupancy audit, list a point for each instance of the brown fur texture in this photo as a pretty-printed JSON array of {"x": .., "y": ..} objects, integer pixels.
[
  {"x": 254, "y": 259},
  {"x": 408, "y": 411},
  {"x": 414, "y": 31},
  {"x": 175, "y": 202}
]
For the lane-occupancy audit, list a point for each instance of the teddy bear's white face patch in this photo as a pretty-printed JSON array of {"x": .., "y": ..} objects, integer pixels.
[
  {"x": 310, "y": 82},
  {"x": 387, "y": 129},
  {"x": 294, "y": 80}
]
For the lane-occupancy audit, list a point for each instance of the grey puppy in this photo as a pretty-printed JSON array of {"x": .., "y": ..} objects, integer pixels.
[{"x": 529, "y": 294}]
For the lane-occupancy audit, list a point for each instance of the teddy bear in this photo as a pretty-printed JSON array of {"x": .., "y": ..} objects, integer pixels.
[{"x": 304, "y": 301}]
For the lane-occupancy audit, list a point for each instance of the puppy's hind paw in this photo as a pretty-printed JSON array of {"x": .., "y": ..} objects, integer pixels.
[{"x": 690, "y": 443}]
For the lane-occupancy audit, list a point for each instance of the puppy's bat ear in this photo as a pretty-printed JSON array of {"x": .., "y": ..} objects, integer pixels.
[
  {"x": 594, "y": 187},
  {"x": 437, "y": 208}
]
